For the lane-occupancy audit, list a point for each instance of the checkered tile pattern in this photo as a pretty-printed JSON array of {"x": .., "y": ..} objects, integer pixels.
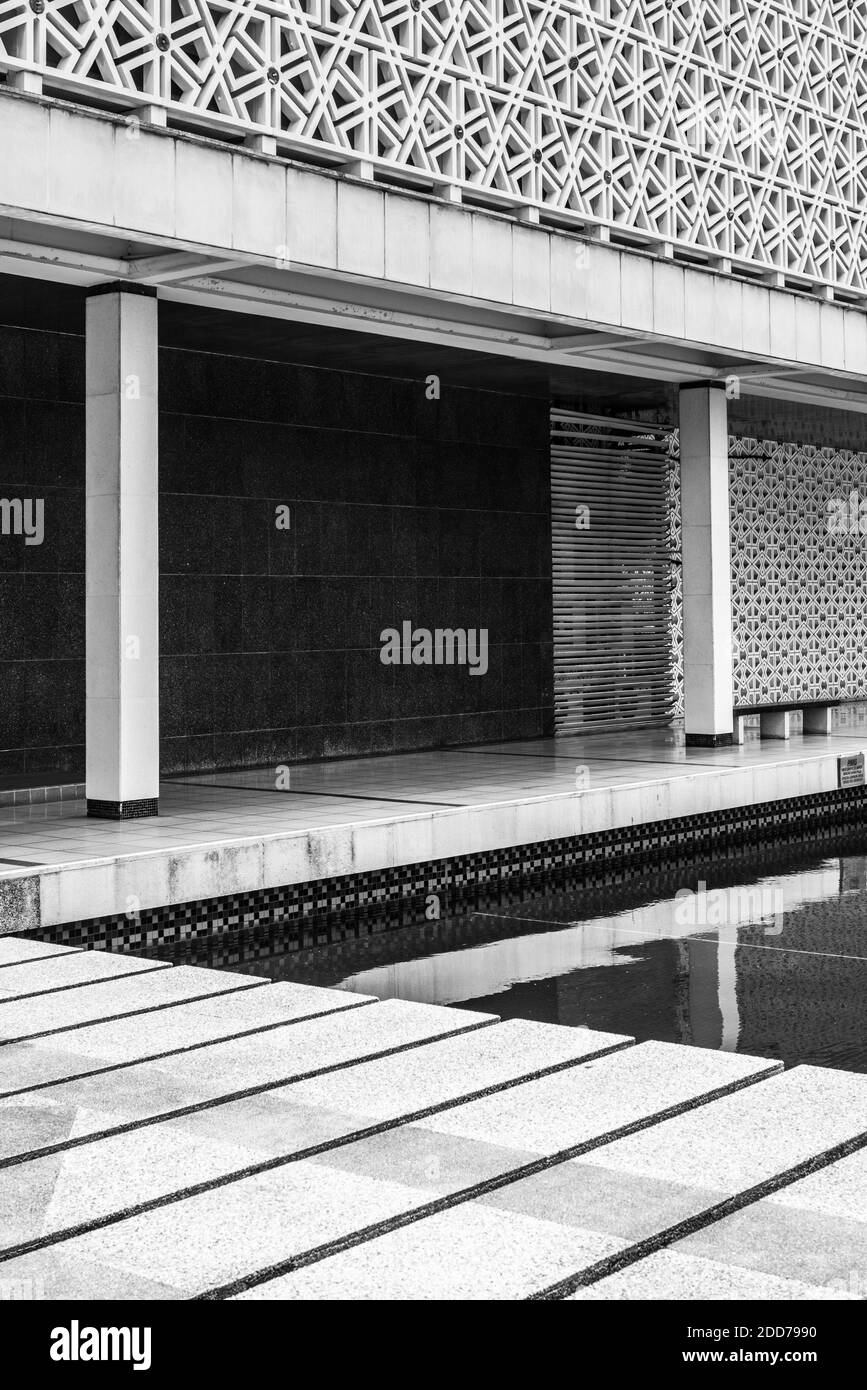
[{"x": 344, "y": 908}]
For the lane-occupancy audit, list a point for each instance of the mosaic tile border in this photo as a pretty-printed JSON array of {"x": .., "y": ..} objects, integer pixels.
[
  {"x": 327, "y": 951},
  {"x": 123, "y": 810},
  {"x": 328, "y": 910}
]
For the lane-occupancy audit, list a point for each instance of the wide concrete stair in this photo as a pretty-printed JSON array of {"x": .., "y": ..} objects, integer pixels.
[{"x": 173, "y": 1132}]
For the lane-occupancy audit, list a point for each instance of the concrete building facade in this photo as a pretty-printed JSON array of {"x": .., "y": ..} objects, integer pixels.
[{"x": 288, "y": 296}]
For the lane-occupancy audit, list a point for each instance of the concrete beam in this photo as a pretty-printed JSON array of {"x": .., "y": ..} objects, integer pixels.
[
  {"x": 244, "y": 297},
  {"x": 755, "y": 370},
  {"x": 578, "y": 343},
  {"x": 14, "y": 252},
  {"x": 179, "y": 265}
]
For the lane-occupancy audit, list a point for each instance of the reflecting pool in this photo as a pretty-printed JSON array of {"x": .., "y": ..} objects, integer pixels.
[{"x": 762, "y": 953}]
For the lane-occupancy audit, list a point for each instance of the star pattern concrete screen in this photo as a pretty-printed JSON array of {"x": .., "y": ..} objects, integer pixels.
[
  {"x": 797, "y": 580},
  {"x": 737, "y": 128}
]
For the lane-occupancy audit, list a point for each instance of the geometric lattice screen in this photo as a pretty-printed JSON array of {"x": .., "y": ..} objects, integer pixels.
[
  {"x": 798, "y": 586},
  {"x": 735, "y": 126}
]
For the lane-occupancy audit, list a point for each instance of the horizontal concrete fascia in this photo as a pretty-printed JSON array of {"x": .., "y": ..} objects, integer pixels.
[{"x": 110, "y": 176}]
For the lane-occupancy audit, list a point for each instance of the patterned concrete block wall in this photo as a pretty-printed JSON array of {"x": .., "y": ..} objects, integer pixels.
[
  {"x": 700, "y": 123},
  {"x": 799, "y": 569}
]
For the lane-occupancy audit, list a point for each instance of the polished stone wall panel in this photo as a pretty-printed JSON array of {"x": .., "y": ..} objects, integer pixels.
[
  {"x": 401, "y": 508},
  {"x": 42, "y": 586}
]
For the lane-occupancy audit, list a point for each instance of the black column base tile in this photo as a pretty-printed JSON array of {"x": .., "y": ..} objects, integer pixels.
[{"x": 123, "y": 810}]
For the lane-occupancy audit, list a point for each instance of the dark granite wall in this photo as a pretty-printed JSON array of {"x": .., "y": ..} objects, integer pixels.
[
  {"x": 757, "y": 418},
  {"x": 42, "y": 586},
  {"x": 402, "y": 508}
]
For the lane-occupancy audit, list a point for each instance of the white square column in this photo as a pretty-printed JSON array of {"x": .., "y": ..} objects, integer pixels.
[
  {"x": 707, "y": 604},
  {"x": 122, "y": 562}
]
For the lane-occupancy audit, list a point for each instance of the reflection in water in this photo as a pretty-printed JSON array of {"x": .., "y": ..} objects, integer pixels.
[
  {"x": 727, "y": 990},
  {"x": 774, "y": 967},
  {"x": 764, "y": 953}
]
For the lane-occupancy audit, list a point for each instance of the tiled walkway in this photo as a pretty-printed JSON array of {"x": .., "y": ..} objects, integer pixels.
[
  {"x": 223, "y": 807},
  {"x": 226, "y": 835},
  {"x": 173, "y": 1133}
]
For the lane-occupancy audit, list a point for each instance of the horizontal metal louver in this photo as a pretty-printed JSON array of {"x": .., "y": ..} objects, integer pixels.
[{"x": 613, "y": 660}]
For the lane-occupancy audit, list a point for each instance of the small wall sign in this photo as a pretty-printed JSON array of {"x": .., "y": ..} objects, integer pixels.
[{"x": 850, "y": 770}]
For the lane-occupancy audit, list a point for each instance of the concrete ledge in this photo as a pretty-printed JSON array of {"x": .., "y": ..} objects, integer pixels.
[{"x": 426, "y": 846}]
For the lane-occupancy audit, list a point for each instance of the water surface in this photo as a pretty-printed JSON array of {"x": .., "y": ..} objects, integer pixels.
[{"x": 762, "y": 953}]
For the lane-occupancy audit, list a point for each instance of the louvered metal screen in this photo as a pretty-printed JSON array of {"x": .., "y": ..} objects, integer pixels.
[{"x": 613, "y": 659}]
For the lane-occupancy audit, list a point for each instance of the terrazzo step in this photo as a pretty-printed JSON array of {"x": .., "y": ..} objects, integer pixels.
[
  {"x": 670, "y": 1275},
  {"x": 571, "y": 1222},
  {"x": 813, "y": 1231},
  {"x": 18, "y": 950},
  {"x": 54, "y": 1117},
  {"x": 60, "y": 972},
  {"x": 89, "y": 1184},
  {"x": 126, "y": 997},
  {"x": 236, "y": 1005},
  {"x": 218, "y": 1239}
]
